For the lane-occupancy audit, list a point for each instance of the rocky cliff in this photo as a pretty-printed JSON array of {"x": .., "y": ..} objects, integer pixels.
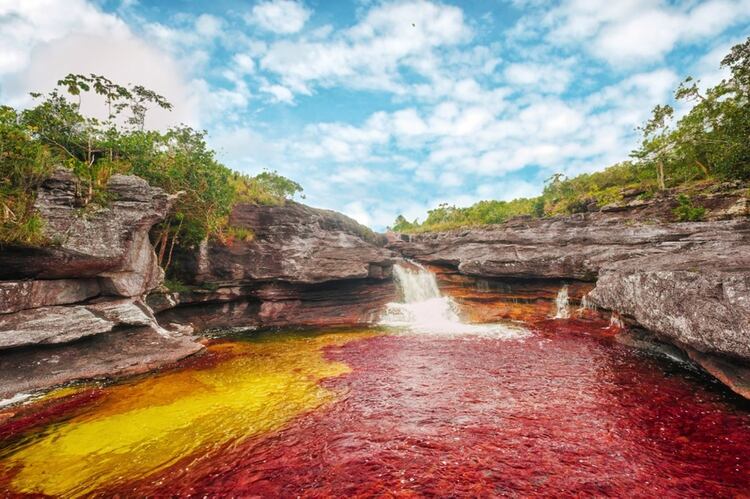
[
  {"x": 83, "y": 305},
  {"x": 689, "y": 283},
  {"x": 88, "y": 284},
  {"x": 298, "y": 266}
]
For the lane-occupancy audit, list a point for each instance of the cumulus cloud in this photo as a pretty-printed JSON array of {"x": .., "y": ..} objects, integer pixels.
[
  {"x": 370, "y": 53},
  {"x": 279, "y": 16},
  {"x": 629, "y": 32},
  {"x": 47, "y": 40}
]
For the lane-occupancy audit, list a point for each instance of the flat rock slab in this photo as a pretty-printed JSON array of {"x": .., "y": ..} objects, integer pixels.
[
  {"x": 112, "y": 355},
  {"x": 51, "y": 325}
]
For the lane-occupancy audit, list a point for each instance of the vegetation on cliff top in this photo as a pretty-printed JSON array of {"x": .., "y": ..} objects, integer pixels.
[
  {"x": 55, "y": 133},
  {"x": 710, "y": 143}
]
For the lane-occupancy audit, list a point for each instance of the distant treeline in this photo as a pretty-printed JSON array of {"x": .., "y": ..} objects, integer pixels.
[
  {"x": 711, "y": 143},
  {"x": 54, "y": 133}
]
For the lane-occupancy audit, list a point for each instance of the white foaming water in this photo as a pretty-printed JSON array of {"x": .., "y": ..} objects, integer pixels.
[
  {"x": 562, "y": 304},
  {"x": 425, "y": 311}
]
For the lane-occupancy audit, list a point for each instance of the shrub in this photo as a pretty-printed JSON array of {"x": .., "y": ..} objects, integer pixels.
[{"x": 686, "y": 211}]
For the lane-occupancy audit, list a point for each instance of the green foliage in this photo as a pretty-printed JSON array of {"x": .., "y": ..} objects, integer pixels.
[
  {"x": 710, "y": 143},
  {"x": 56, "y": 133},
  {"x": 266, "y": 188},
  {"x": 176, "y": 286},
  {"x": 24, "y": 163},
  {"x": 239, "y": 234},
  {"x": 686, "y": 211}
]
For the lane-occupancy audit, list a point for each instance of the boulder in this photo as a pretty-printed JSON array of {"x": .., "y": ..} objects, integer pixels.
[{"x": 698, "y": 299}]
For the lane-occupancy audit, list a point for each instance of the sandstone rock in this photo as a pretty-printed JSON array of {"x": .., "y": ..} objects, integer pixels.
[
  {"x": 353, "y": 302},
  {"x": 292, "y": 243},
  {"x": 90, "y": 241},
  {"x": 120, "y": 353},
  {"x": 50, "y": 325},
  {"x": 574, "y": 247},
  {"x": 696, "y": 299},
  {"x": 26, "y": 294}
]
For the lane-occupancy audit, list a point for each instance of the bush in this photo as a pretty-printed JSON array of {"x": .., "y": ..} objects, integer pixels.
[{"x": 686, "y": 211}]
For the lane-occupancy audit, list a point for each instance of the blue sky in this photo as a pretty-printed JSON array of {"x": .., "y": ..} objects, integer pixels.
[{"x": 386, "y": 107}]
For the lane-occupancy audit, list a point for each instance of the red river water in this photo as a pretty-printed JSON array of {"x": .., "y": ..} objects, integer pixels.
[{"x": 563, "y": 412}]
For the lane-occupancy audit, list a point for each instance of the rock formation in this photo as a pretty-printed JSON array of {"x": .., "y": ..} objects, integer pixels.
[
  {"x": 689, "y": 283},
  {"x": 90, "y": 279},
  {"x": 300, "y": 266}
]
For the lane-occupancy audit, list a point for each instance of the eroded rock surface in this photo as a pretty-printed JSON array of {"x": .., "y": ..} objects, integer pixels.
[
  {"x": 82, "y": 294},
  {"x": 291, "y": 243},
  {"x": 109, "y": 242},
  {"x": 575, "y": 247},
  {"x": 122, "y": 353}
]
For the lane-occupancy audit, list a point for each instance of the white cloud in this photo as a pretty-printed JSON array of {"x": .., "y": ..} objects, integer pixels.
[
  {"x": 371, "y": 53},
  {"x": 628, "y": 32},
  {"x": 543, "y": 77},
  {"x": 47, "y": 40},
  {"x": 26, "y": 24},
  {"x": 279, "y": 16},
  {"x": 208, "y": 26},
  {"x": 244, "y": 63},
  {"x": 279, "y": 93}
]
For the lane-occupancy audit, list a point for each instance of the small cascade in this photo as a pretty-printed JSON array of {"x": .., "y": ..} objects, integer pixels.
[
  {"x": 562, "y": 304},
  {"x": 586, "y": 306},
  {"x": 425, "y": 310}
]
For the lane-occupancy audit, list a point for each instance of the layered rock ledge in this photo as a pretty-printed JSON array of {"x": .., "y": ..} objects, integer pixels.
[
  {"x": 688, "y": 283},
  {"x": 66, "y": 308},
  {"x": 300, "y": 266}
]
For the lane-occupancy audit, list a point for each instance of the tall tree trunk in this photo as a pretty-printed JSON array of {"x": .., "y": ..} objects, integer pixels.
[
  {"x": 660, "y": 175},
  {"x": 171, "y": 247},
  {"x": 162, "y": 243}
]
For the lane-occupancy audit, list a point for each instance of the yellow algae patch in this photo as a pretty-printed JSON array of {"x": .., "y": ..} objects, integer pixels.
[{"x": 149, "y": 424}]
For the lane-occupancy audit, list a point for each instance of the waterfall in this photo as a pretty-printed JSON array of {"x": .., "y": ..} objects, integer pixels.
[
  {"x": 425, "y": 310},
  {"x": 562, "y": 304},
  {"x": 586, "y": 306}
]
